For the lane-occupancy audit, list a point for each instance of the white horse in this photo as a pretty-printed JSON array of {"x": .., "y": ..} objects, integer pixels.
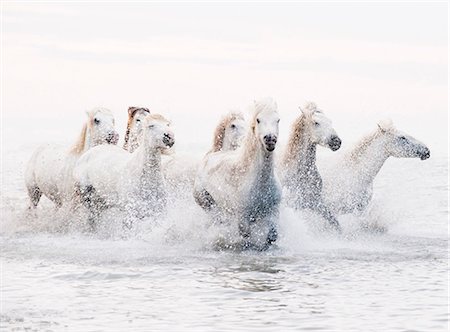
[
  {"x": 49, "y": 170},
  {"x": 134, "y": 127},
  {"x": 299, "y": 174},
  {"x": 107, "y": 176},
  {"x": 227, "y": 137},
  {"x": 229, "y": 132},
  {"x": 351, "y": 189},
  {"x": 242, "y": 183}
]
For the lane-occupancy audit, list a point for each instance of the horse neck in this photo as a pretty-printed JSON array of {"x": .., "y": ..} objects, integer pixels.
[
  {"x": 131, "y": 141},
  {"x": 255, "y": 159},
  {"x": 370, "y": 159},
  {"x": 146, "y": 162},
  {"x": 301, "y": 153},
  {"x": 126, "y": 143}
]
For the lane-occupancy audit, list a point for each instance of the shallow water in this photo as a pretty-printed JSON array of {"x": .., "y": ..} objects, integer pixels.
[{"x": 391, "y": 276}]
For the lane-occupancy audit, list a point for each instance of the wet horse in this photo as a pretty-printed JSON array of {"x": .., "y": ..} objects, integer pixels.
[
  {"x": 351, "y": 189},
  {"x": 300, "y": 176},
  {"x": 229, "y": 132},
  {"x": 132, "y": 181},
  {"x": 227, "y": 137},
  {"x": 242, "y": 183},
  {"x": 49, "y": 171}
]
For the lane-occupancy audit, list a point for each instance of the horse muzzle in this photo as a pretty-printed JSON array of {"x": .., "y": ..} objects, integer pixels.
[
  {"x": 424, "y": 154},
  {"x": 270, "y": 142},
  {"x": 334, "y": 143},
  {"x": 168, "y": 140},
  {"x": 112, "y": 138}
]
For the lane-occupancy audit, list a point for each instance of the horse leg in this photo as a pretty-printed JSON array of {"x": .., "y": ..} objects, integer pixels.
[
  {"x": 35, "y": 195},
  {"x": 323, "y": 211},
  {"x": 90, "y": 201},
  {"x": 272, "y": 236},
  {"x": 204, "y": 199},
  {"x": 77, "y": 199}
]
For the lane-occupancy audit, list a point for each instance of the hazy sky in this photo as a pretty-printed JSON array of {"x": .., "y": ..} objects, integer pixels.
[{"x": 195, "y": 61}]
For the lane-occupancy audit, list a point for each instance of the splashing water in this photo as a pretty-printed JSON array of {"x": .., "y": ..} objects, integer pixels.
[{"x": 387, "y": 267}]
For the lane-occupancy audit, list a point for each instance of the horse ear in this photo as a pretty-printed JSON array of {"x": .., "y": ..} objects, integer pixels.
[
  {"x": 385, "y": 125},
  {"x": 131, "y": 110},
  {"x": 301, "y": 109}
]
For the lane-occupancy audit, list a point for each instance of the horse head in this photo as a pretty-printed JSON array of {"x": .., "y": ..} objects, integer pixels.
[
  {"x": 319, "y": 127},
  {"x": 100, "y": 127},
  {"x": 265, "y": 123},
  {"x": 156, "y": 132},
  {"x": 401, "y": 145},
  {"x": 229, "y": 132}
]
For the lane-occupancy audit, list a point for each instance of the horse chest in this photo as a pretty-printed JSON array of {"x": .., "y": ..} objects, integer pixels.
[
  {"x": 304, "y": 184},
  {"x": 263, "y": 199}
]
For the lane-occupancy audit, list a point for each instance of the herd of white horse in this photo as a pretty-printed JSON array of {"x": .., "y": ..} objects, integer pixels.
[{"x": 240, "y": 181}]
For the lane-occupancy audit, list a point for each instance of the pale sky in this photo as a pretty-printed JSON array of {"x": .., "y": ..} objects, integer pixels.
[{"x": 195, "y": 61}]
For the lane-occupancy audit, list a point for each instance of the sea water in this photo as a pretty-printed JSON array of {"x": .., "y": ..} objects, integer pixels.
[{"x": 391, "y": 275}]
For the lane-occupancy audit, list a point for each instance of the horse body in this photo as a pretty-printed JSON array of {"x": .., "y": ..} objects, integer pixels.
[
  {"x": 133, "y": 181},
  {"x": 300, "y": 175},
  {"x": 49, "y": 171},
  {"x": 351, "y": 190},
  {"x": 242, "y": 183}
]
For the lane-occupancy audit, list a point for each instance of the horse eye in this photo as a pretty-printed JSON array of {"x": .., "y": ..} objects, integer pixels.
[
  {"x": 257, "y": 120},
  {"x": 317, "y": 124},
  {"x": 137, "y": 120},
  {"x": 403, "y": 138},
  {"x": 96, "y": 121},
  {"x": 151, "y": 126},
  {"x": 278, "y": 121},
  {"x": 233, "y": 126}
]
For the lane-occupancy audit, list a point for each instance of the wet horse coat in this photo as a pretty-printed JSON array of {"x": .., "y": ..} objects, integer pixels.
[
  {"x": 300, "y": 175},
  {"x": 242, "y": 184},
  {"x": 49, "y": 171}
]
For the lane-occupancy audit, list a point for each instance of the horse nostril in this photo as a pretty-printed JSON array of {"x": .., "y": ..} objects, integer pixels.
[
  {"x": 112, "y": 137},
  {"x": 270, "y": 139},
  {"x": 425, "y": 154},
  {"x": 335, "y": 143},
  {"x": 168, "y": 139}
]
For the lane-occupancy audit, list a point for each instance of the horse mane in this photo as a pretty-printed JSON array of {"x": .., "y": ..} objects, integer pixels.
[
  {"x": 132, "y": 111},
  {"x": 362, "y": 145},
  {"x": 219, "y": 133},
  {"x": 360, "y": 148},
  {"x": 299, "y": 127},
  {"x": 78, "y": 148}
]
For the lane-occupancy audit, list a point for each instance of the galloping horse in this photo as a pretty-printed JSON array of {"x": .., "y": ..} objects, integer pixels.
[
  {"x": 351, "y": 190},
  {"x": 132, "y": 181},
  {"x": 242, "y": 183},
  {"x": 49, "y": 170},
  {"x": 227, "y": 136},
  {"x": 300, "y": 176},
  {"x": 229, "y": 132}
]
